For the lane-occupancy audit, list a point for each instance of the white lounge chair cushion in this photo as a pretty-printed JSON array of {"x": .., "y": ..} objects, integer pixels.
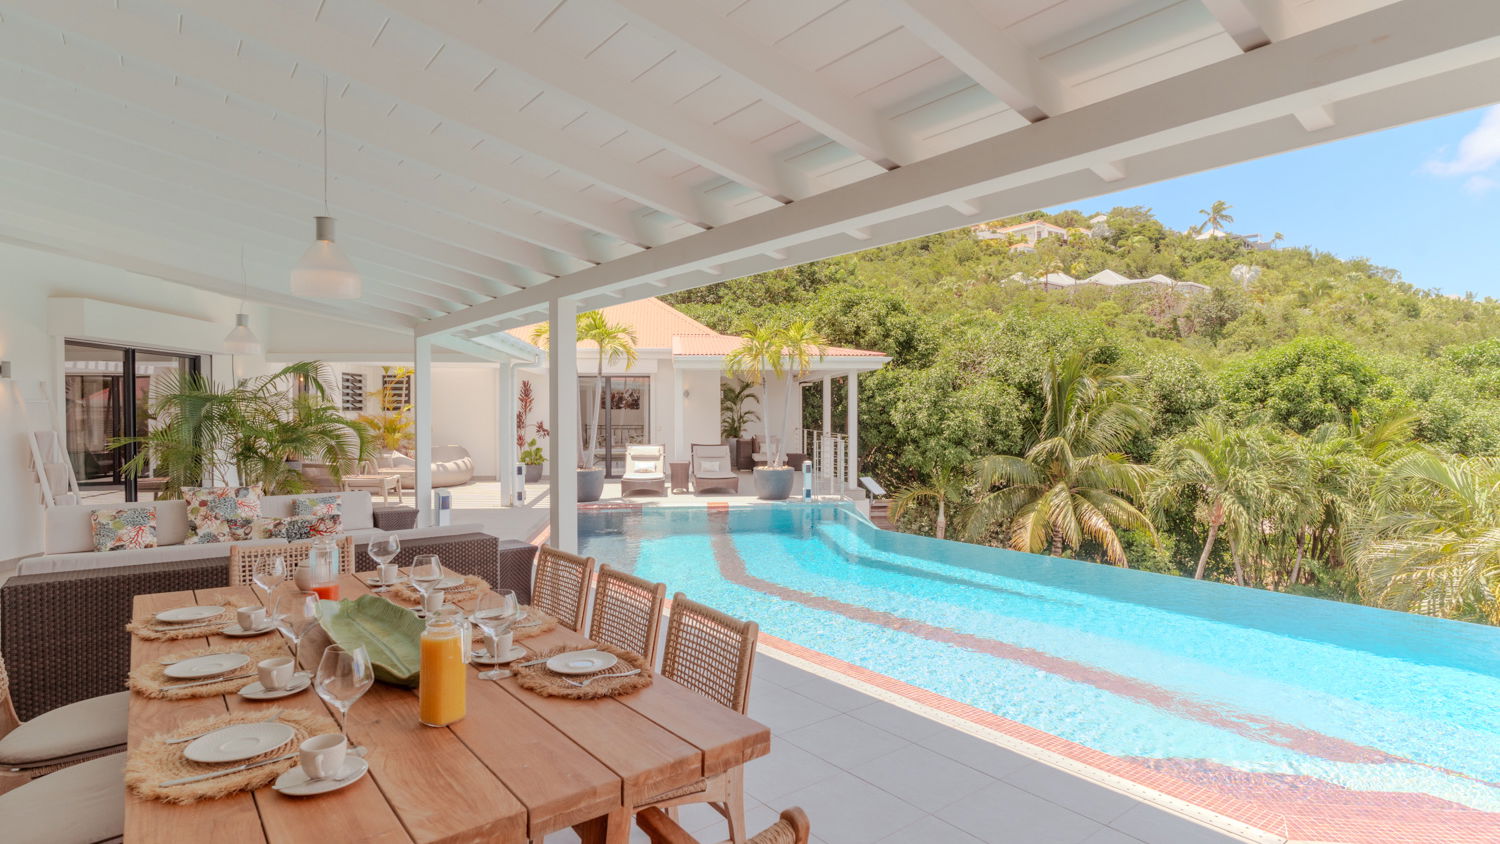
[
  {"x": 711, "y": 469},
  {"x": 77, "y": 805},
  {"x": 94, "y": 724}
]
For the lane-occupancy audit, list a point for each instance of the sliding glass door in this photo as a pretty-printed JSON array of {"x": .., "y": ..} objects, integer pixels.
[
  {"x": 102, "y": 404},
  {"x": 624, "y": 418}
]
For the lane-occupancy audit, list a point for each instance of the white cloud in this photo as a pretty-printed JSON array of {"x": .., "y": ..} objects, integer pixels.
[
  {"x": 1480, "y": 185},
  {"x": 1478, "y": 152}
]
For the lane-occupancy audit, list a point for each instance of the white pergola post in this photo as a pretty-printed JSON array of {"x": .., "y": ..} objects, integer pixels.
[
  {"x": 562, "y": 383},
  {"x": 679, "y": 449},
  {"x": 827, "y": 405},
  {"x": 422, "y": 423},
  {"x": 853, "y": 430},
  {"x": 506, "y": 428}
]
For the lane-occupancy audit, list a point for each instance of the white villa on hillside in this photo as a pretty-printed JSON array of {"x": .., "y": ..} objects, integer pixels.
[{"x": 1108, "y": 278}]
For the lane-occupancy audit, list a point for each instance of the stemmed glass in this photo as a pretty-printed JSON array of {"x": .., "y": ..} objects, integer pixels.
[
  {"x": 293, "y": 613},
  {"x": 344, "y": 675},
  {"x": 382, "y": 549},
  {"x": 494, "y": 611},
  {"x": 267, "y": 581},
  {"x": 425, "y": 572}
]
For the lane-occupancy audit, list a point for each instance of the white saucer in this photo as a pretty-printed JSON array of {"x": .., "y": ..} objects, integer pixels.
[
  {"x": 211, "y": 665},
  {"x": 376, "y": 581},
  {"x": 449, "y": 582},
  {"x": 242, "y": 741},
  {"x": 581, "y": 662},
  {"x": 296, "y": 784},
  {"x": 255, "y": 691},
  {"x": 183, "y": 615},
  {"x": 516, "y": 652},
  {"x": 238, "y": 632}
]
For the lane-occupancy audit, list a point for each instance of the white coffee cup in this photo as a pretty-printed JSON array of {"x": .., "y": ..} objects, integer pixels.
[
  {"x": 433, "y": 601},
  {"x": 501, "y": 644},
  {"x": 251, "y": 618},
  {"x": 389, "y": 573},
  {"x": 323, "y": 756},
  {"x": 276, "y": 672}
]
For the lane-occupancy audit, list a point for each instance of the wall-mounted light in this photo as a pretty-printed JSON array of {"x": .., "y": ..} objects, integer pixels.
[{"x": 4, "y": 370}]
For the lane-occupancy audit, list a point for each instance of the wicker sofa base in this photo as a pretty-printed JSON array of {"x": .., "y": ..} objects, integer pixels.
[{"x": 63, "y": 634}]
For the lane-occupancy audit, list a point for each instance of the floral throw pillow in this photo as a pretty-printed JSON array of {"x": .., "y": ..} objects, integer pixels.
[
  {"x": 220, "y": 514},
  {"x": 316, "y": 505},
  {"x": 296, "y": 527},
  {"x": 126, "y": 529}
]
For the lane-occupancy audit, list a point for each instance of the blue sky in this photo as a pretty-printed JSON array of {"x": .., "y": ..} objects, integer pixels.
[{"x": 1422, "y": 199}]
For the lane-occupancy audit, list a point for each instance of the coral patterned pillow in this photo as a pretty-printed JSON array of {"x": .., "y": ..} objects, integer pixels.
[
  {"x": 126, "y": 529},
  {"x": 316, "y": 505},
  {"x": 220, "y": 514},
  {"x": 297, "y": 527}
]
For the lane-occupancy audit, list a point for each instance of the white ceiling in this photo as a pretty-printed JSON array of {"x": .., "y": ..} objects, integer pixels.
[{"x": 483, "y": 151}]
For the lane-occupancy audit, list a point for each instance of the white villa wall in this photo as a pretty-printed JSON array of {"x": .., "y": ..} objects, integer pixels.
[
  {"x": 700, "y": 414},
  {"x": 464, "y": 408}
]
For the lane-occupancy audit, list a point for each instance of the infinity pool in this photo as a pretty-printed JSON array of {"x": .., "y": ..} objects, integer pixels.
[{"x": 1240, "y": 690}]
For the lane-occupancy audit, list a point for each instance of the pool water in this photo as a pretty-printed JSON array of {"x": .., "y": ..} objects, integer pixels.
[{"x": 1184, "y": 674}]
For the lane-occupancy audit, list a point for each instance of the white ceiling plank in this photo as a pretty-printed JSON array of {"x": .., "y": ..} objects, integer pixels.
[
  {"x": 140, "y": 39},
  {"x": 492, "y": 32},
  {"x": 987, "y": 54},
  {"x": 694, "y": 28},
  {"x": 1249, "y": 22},
  {"x": 340, "y": 54},
  {"x": 1383, "y": 68}
]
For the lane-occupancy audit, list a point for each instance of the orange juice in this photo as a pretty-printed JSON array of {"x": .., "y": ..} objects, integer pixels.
[
  {"x": 441, "y": 686},
  {"x": 327, "y": 591}
]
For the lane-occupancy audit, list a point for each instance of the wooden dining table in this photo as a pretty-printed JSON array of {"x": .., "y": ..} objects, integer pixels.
[{"x": 516, "y": 768}]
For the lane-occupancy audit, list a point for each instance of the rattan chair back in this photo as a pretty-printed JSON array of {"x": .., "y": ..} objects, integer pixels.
[
  {"x": 710, "y": 652},
  {"x": 245, "y": 563},
  {"x": 627, "y": 612},
  {"x": 561, "y": 587}
]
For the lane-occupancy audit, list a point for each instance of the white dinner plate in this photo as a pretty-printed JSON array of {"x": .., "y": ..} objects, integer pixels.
[
  {"x": 182, "y": 615},
  {"x": 482, "y": 657},
  {"x": 449, "y": 582},
  {"x": 581, "y": 662},
  {"x": 242, "y": 741},
  {"x": 296, "y": 784},
  {"x": 255, "y": 691},
  {"x": 211, "y": 665},
  {"x": 235, "y": 631}
]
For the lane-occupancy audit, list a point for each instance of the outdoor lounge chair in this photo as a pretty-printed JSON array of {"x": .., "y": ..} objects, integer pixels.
[
  {"x": 645, "y": 470},
  {"x": 712, "y": 469}
]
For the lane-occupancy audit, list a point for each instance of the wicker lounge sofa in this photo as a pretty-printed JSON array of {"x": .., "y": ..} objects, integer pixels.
[
  {"x": 712, "y": 469},
  {"x": 645, "y": 470}
]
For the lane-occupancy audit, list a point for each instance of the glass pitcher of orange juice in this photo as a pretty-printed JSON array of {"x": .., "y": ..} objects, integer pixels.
[{"x": 441, "y": 684}]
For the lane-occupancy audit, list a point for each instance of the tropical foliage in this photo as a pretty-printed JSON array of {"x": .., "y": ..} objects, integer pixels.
[
  {"x": 1310, "y": 424},
  {"x": 734, "y": 416},
  {"x": 785, "y": 351}
]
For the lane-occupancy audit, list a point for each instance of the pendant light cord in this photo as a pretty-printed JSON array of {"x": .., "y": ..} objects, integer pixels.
[
  {"x": 244, "y": 279},
  {"x": 326, "y": 212}
]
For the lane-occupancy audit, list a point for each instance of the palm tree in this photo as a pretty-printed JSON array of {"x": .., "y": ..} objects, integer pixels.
[
  {"x": 734, "y": 417},
  {"x": 1217, "y": 215},
  {"x": 1073, "y": 483},
  {"x": 784, "y": 352},
  {"x": 614, "y": 341},
  {"x": 800, "y": 340},
  {"x": 946, "y": 487},
  {"x": 1435, "y": 548},
  {"x": 1217, "y": 465}
]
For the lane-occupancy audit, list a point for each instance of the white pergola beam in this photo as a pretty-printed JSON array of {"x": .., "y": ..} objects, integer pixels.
[
  {"x": 1314, "y": 118},
  {"x": 987, "y": 54},
  {"x": 493, "y": 32},
  {"x": 140, "y": 39},
  {"x": 567, "y": 425},
  {"x": 1383, "y": 68},
  {"x": 694, "y": 28},
  {"x": 1251, "y": 23}
]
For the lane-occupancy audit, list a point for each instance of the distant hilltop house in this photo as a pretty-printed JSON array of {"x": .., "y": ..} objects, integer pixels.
[
  {"x": 1028, "y": 233},
  {"x": 1251, "y": 240},
  {"x": 1108, "y": 278}
]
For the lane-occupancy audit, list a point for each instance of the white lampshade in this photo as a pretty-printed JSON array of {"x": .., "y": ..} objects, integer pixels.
[
  {"x": 324, "y": 272},
  {"x": 242, "y": 341}
]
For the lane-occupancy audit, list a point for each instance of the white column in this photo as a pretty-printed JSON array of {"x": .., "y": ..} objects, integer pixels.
[
  {"x": 421, "y": 403},
  {"x": 827, "y": 405},
  {"x": 505, "y": 429},
  {"x": 853, "y": 430},
  {"x": 679, "y": 448},
  {"x": 562, "y": 383}
]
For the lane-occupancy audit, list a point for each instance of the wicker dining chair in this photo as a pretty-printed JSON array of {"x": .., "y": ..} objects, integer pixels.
[
  {"x": 712, "y": 654},
  {"x": 627, "y": 612},
  {"x": 62, "y": 737},
  {"x": 561, "y": 587},
  {"x": 246, "y": 562},
  {"x": 791, "y": 828}
]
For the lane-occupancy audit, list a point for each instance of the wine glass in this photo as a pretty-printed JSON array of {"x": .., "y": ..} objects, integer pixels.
[
  {"x": 382, "y": 549},
  {"x": 293, "y": 612},
  {"x": 494, "y": 612},
  {"x": 425, "y": 572},
  {"x": 344, "y": 675},
  {"x": 272, "y": 577}
]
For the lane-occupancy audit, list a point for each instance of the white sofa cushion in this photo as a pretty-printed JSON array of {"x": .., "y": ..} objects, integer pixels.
[
  {"x": 83, "y": 561},
  {"x": 76, "y": 805},
  {"x": 70, "y": 528},
  {"x": 97, "y": 723}
]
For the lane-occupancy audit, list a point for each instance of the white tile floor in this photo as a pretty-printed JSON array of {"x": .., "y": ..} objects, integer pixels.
[{"x": 869, "y": 771}]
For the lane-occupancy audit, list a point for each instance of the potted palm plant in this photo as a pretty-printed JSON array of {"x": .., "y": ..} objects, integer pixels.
[
  {"x": 786, "y": 353},
  {"x": 614, "y": 342},
  {"x": 734, "y": 417}
]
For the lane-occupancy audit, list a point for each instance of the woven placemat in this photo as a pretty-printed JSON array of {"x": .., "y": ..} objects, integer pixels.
[
  {"x": 541, "y": 680},
  {"x": 149, "y": 679},
  {"x": 534, "y": 622},
  {"x": 154, "y": 761},
  {"x": 472, "y": 586},
  {"x": 148, "y": 628}
]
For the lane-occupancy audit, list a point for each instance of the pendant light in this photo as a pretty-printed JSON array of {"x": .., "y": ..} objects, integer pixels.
[
  {"x": 324, "y": 272},
  {"x": 241, "y": 340}
]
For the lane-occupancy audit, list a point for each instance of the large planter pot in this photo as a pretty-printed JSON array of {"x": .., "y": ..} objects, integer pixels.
[
  {"x": 533, "y": 472},
  {"x": 774, "y": 484},
  {"x": 590, "y": 484}
]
